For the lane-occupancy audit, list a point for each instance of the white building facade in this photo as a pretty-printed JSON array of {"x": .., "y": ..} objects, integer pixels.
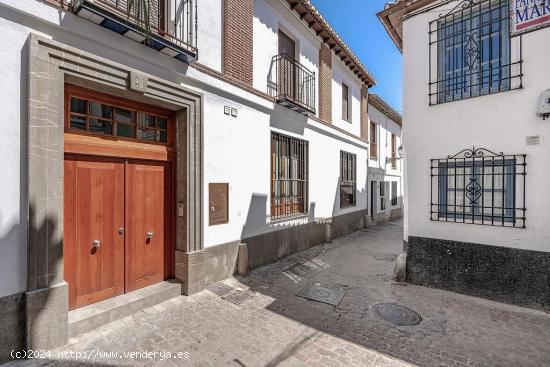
[
  {"x": 476, "y": 147},
  {"x": 137, "y": 154},
  {"x": 385, "y": 172}
]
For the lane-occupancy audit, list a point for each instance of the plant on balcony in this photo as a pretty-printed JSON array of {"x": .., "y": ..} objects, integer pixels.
[{"x": 141, "y": 9}]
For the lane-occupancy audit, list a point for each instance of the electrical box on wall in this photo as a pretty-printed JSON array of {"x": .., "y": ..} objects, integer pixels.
[{"x": 544, "y": 105}]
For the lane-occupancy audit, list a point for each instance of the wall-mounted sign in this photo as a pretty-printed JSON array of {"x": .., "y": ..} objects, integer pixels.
[{"x": 528, "y": 15}]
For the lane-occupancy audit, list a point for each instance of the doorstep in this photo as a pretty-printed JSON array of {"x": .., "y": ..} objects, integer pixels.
[{"x": 97, "y": 314}]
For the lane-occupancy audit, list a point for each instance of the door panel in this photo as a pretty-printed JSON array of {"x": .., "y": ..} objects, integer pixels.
[
  {"x": 287, "y": 73},
  {"x": 94, "y": 210},
  {"x": 146, "y": 208}
]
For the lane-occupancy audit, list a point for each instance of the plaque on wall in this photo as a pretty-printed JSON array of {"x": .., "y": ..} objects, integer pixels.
[{"x": 218, "y": 200}]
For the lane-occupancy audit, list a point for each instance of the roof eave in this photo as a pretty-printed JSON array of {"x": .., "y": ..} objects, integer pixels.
[{"x": 322, "y": 29}]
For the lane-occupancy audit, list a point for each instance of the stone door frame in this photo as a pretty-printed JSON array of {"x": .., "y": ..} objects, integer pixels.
[{"x": 50, "y": 65}]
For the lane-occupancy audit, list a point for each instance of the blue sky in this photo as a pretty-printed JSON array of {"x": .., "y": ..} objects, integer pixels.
[{"x": 357, "y": 24}]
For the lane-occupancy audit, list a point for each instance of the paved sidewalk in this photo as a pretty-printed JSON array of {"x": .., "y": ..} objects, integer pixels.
[{"x": 260, "y": 321}]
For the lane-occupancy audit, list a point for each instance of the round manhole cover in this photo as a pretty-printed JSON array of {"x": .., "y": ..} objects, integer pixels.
[{"x": 396, "y": 314}]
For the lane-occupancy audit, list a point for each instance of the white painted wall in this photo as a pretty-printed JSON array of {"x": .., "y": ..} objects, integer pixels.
[
  {"x": 13, "y": 262},
  {"x": 342, "y": 74},
  {"x": 237, "y": 150},
  {"x": 210, "y": 33},
  {"x": 499, "y": 122},
  {"x": 385, "y": 127}
]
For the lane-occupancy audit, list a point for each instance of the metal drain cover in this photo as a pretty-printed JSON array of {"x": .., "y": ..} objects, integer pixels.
[
  {"x": 396, "y": 314},
  {"x": 321, "y": 294},
  {"x": 238, "y": 297},
  {"x": 220, "y": 289}
]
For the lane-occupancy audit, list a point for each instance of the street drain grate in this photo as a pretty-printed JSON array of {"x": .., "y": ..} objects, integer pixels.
[
  {"x": 300, "y": 270},
  {"x": 321, "y": 294},
  {"x": 220, "y": 289},
  {"x": 396, "y": 314},
  {"x": 238, "y": 297}
]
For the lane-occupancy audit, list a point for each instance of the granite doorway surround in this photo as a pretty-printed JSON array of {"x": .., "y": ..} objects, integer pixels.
[{"x": 50, "y": 65}]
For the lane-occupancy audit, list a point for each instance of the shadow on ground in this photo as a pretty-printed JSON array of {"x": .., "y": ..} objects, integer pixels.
[{"x": 455, "y": 330}]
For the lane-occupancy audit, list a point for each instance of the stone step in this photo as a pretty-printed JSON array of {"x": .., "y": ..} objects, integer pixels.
[{"x": 97, "y": 314}]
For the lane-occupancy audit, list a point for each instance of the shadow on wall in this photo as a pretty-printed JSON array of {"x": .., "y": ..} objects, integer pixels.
[
  {"x": 257, "y": 220},
  {"x": 268, "y": 242},
  {"x": 12, "y": 307},
  {"x": 19, "y": 310},
  {"x": 284, "y": 119}
]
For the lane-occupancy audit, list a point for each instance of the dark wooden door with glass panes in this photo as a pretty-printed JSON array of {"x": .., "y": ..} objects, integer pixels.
[
  {"x": 118, "y": 195},
  {"x": 286, "y": 67}
]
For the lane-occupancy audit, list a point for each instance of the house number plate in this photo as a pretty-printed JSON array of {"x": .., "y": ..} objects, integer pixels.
[{"x": 138, "y": 81}]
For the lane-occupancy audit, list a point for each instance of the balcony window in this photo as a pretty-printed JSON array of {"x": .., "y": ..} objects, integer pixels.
[
  {"x": 168, "y": 26},
  {"x": 471, "y": 52},
  {"x": 373, "y": 142},
  {"x": 393, "y": 152},
  {"x": 346, "y": 113},
  {"x": 294, "y": 84}
]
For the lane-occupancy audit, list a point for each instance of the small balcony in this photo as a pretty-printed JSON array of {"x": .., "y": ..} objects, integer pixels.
[
  {"x": 292, "y": 84},
  {"x": 168, "y": 26}
]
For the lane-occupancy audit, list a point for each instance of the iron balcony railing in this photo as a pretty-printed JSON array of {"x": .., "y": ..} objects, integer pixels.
[
  {"x": 156, "y": 21},
  {"x": 294, "y": 84}
]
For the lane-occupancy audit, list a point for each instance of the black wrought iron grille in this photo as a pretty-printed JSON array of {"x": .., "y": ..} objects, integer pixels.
[
  {"x": 289, "y": 176},
  {"x": 295, "y": 84},
  {"x": 478, "y": 186},
  {"x": 394, "y": 193},
  {"x": 348, "y": 179},
  {"x": 175, "y": 20},
  {"x": 471, "y": 52}
]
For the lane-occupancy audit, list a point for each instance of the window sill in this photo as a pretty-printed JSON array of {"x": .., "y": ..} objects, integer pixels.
[
  {"x": 437, "y": 103},
  {"x": 347, "y": 120},
  {"x": 348, "y": 206},
  {"x": 288, "y": 219}
]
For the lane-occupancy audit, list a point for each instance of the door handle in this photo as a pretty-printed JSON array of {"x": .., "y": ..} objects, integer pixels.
[
  {"x": 150, "y": 235},
  {"x": 121, "y": 230},
  {"x": 96, "y": 243}
]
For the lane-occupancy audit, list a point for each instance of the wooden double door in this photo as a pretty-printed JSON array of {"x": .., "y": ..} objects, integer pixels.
[{"x": 115, "y": 226}]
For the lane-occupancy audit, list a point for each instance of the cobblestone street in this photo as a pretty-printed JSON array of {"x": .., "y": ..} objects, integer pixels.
[{"x": 261, "y": 321}]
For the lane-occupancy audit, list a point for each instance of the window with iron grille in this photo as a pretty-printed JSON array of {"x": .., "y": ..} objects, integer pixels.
[
  {"x": 289, "y": 176},
  {"x": 383, "y": 195},
  {"x": 472, "y": 53},
  {"x": 348, "y": 179},
  {"x": 480, "y": 187},
  {"x": 394, "y": 193}
]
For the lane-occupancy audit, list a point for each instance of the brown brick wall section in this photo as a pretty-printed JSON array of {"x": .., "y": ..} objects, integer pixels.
[
  {"x": 237, "y": 40},
  {"x": 325, "y": 83},
  {"x": 364, "y": 112}
]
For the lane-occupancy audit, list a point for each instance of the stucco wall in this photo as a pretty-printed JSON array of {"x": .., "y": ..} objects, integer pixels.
[
  {"x": 499, "y": 122},
  {"x": 236, "y": 150},
  {"x": 342, "y": 74},
  {"x": 209, "y": 33}
]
